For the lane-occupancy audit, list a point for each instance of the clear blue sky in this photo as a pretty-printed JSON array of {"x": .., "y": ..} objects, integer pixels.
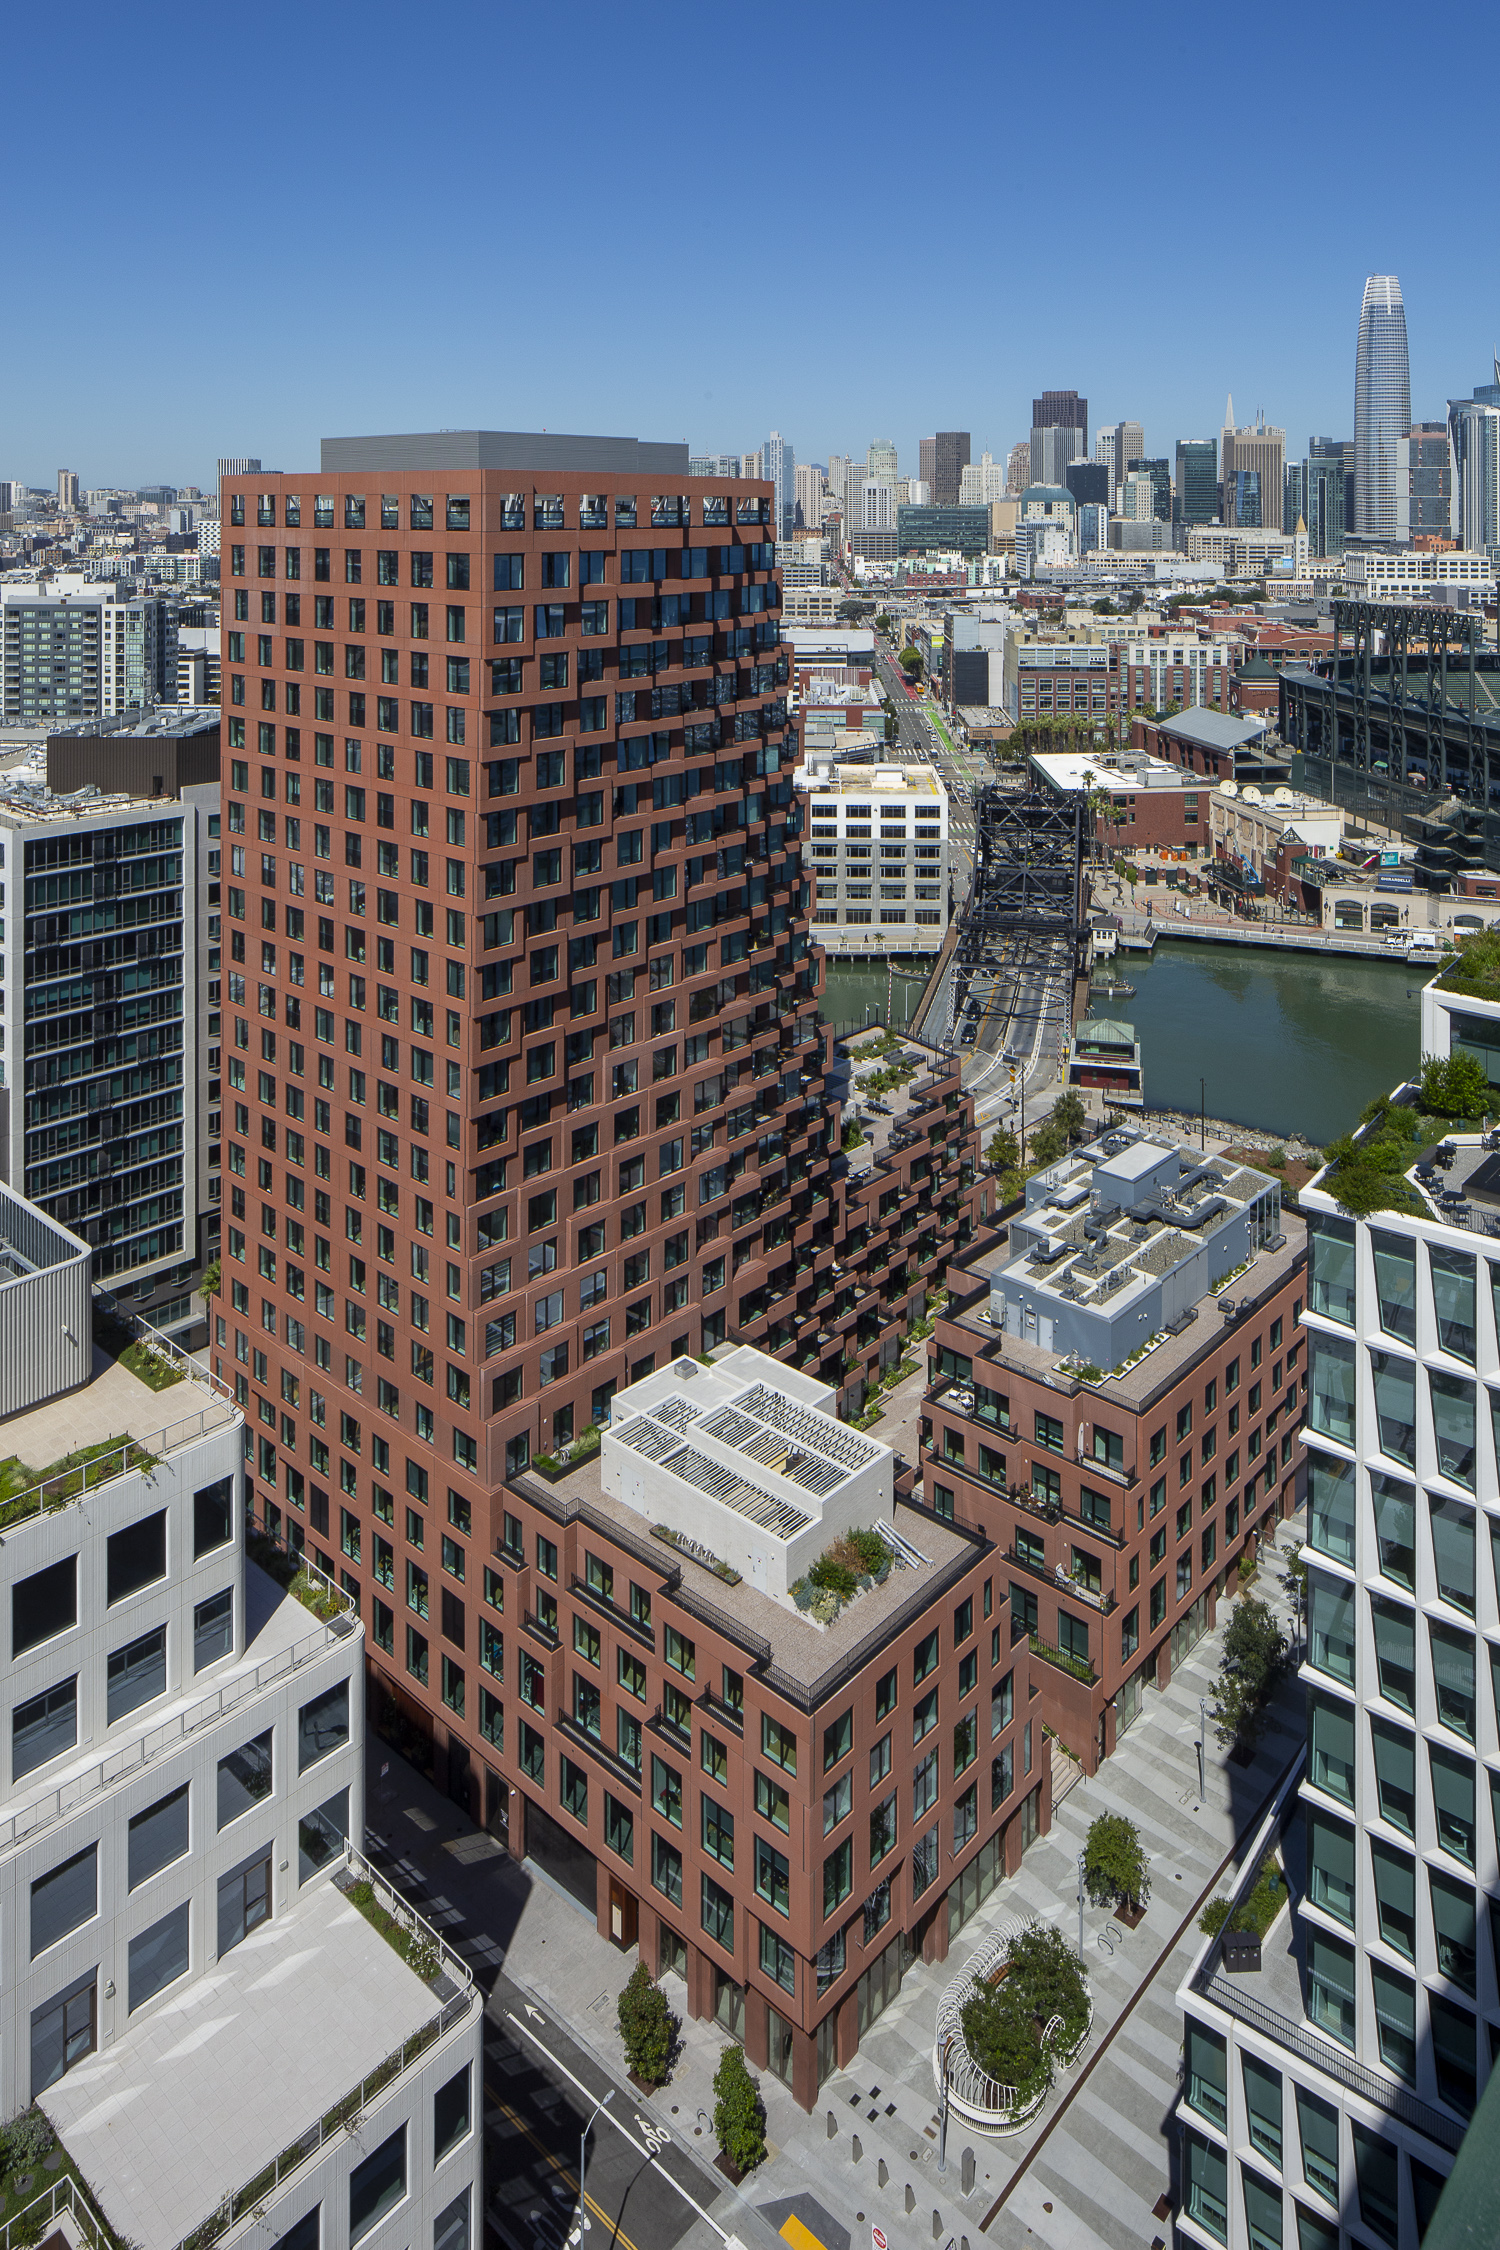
[{"x": 237, "y": 230}]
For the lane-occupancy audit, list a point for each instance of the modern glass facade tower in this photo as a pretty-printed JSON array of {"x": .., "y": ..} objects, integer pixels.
[{"x": 1382, "y": 407}]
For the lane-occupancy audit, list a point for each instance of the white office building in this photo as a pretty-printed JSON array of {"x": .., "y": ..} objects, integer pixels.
[
  {"x": 1464, "y": 575},
  {"x": 878, "y": 848},
  {"x": 224, "y": 2045},
  {"x": 1330, "y": 2075}
]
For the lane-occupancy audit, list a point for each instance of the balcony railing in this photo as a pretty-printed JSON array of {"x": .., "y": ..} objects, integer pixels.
[
  {"x": 129, "y": 1758},
  {"x": 1078, "y": 1666},
  {"x": 128, "y": 1456},
  {"x": 344, "y": 2118},
  {"x": 1062, "y": 1580}
]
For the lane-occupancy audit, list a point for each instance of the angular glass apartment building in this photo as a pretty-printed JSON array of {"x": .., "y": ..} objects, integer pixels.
[{"x": 1330, "y": 2078}]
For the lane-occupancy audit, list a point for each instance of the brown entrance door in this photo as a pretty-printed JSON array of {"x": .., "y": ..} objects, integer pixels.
[{"x": 623, "y": 1916}]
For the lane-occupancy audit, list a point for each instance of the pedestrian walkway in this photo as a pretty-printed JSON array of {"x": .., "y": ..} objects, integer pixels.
[{"x": 1093, "y": 2167}]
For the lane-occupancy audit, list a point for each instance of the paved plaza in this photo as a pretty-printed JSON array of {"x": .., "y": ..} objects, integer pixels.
[{"x": 1090, "y": 2170}]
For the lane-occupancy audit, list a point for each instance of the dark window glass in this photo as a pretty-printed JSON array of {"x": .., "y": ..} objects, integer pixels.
[
  {"x": 450, "y": 2114},
  {"x": 213, "y": 1517},
  {"x": 322, "y": 1725},
  {"x": 244, "y": 1778},
  {"x": 213, "y": 1629},
  {"x": 158, "y": 1836},
  {"x": 136, "y": 1557},
  {"x": 158, "y": 1957},
  {"x": 64, "y": 1898},
  {"x": 43, "y": 1605},
  {"x": 137, "y": 1674},
  {"x": 43, "y": 1727},
  {"x": 377, "y": 2185},
  {"x": 244, "y": 1901}
]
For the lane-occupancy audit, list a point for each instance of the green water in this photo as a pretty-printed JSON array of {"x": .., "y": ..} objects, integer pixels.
[
  {"x": 1295, "y": 1043},
  {"x": 857, "y": 991}
]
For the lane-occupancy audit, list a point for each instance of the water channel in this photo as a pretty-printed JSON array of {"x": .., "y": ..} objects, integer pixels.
[{"x": 1294, "y": 1043}]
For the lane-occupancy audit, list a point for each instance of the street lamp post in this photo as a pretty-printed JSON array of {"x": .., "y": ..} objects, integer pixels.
[
  {"x": 1202, "y": 1723},
  {"x": 943, "y": 2114},
  {"x": 583, "y": 2225},
  {"x": 1080, "y": 1906}
]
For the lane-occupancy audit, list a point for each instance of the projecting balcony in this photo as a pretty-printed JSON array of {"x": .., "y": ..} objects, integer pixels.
[{"x": 1077, "y": 1589}]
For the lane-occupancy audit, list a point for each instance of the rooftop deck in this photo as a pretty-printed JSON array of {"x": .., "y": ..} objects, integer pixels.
[
  {"x": 968, "y": 1308},
  {"x": 183, "y": 2110},
  {"x": 801, "y": 1658},
  {"x": 114, "y": 1404}
]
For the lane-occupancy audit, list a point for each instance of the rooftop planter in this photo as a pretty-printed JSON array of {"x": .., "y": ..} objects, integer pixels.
[
  {"x": 705, "y": 1558},
  {"x": 859, "y": 1560}
]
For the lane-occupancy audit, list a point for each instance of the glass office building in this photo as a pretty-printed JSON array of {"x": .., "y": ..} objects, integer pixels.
[{"x": 1382, "y": 408}]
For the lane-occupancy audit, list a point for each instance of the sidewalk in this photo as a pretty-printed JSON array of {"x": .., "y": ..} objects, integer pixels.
[{"x": 1090, "y": 2170}]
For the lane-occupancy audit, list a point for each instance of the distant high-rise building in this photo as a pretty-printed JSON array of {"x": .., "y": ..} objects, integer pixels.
[
  {"x": 1322, "y": 504},
  {"x": 1293, "y": 496},
  {"x": 1242, "y": 500},
  {"x": 1053, "y": 446},
  {"x": 714, "y": 465},
  {"x": 1197, "y": 480},
  {"x": 1018, "y": 468},
  {"x": 1062, "y": 410},
  {"x": 877, "y": 509},
  {"x": 67, "y": 488},
  {"x": 950, "y": 458},
  {"x": 927, "y": 459},
  {"x": 983, "y": 481},
  {"x": 1474, "y": 432},
  {"x": 751, "y": 465},
  {"x": 838, "y": 482},
  {"x": 1257, "y": 451},
  {"x": 1424, "y": 497},
  {"x": 1382, "y": 407},
  {"x": 1160, "y": 473},
  {"x": 1121, "y": 442},
  {"x": 779, "y": 465},
  {"x": 1138, "y": 497},
  {"x": 241, "y": 466},
  {"x": 1341, "y": 450},
  {"x": 1088, "y": 481},
  {"x": 809, "y": 495},
  {"x": 881, "y": 461},
  {"x": 1093, "y": 527}
]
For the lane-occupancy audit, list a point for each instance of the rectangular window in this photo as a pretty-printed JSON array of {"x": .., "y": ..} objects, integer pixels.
[
  {"x": 323, "y": 1726},
  {"x": 377, "y": 2185},
  {"x": 135, "y": 1557},
  {"x": 244, "y": 1901},
  {"x": 158, "y": 1957},
  {"x": 43, "y": 1727},
  {"x": 137, "y": 1674},
  {"x": 64, "y": 1899},
  {"x": 157, "y": 1837},
  {"x": 1206, "y": 2073}
]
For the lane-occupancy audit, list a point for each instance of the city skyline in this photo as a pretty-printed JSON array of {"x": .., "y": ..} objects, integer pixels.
[{"x": 355, "y": 244}]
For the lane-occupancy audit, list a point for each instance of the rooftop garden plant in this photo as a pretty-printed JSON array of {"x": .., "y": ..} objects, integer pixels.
[{"x": 1476, "y": 971}]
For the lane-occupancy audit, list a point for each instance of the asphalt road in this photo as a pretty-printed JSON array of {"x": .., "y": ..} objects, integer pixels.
[{"x": 644, "y": 2191}]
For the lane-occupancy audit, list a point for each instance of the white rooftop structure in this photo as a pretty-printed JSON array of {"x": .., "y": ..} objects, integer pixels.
[{"x": 745, "y": 1461}]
